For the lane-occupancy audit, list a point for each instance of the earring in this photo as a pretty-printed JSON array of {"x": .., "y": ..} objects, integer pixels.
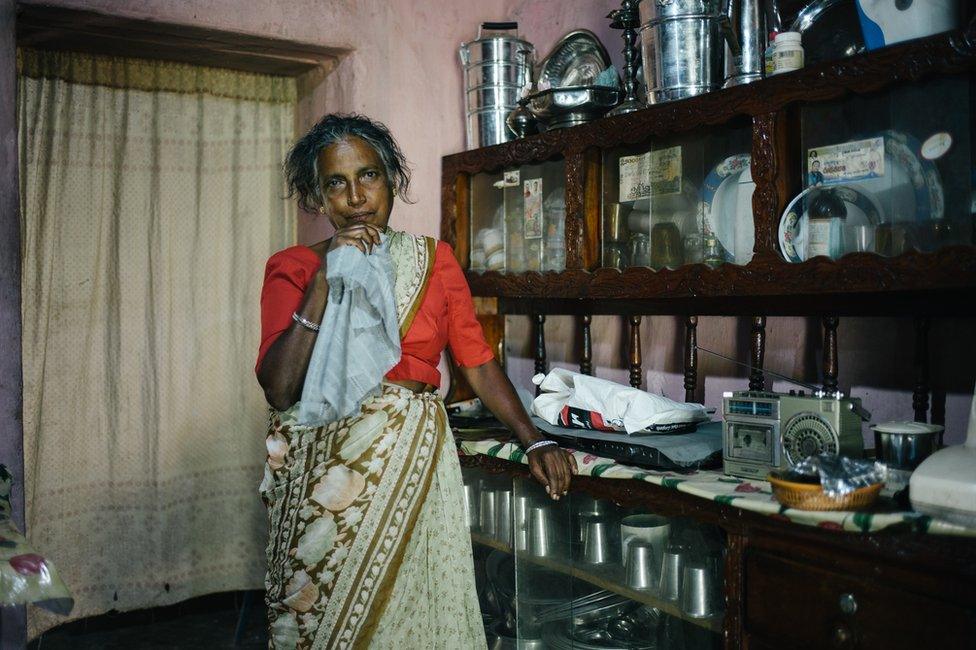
[
  {"x": 394, "y": 192},
  {"x": 321, "y": 209}
]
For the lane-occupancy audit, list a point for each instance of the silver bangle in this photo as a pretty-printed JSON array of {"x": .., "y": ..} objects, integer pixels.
[
  {"x": 304, "y": 322},
  {"x": 539, "y": 444}
]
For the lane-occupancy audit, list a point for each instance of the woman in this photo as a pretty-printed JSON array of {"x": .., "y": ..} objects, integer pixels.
[{"x": 368, "y": 544}]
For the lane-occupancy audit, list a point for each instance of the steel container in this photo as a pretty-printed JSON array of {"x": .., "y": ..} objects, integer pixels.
[
  {"x": 682, "y": 56},
  {"x": 904, "y": 445},
  {"x": 749, "y": 25},
  {"x": 496, "y": 67},
  {"x": 657, "y": 9}
]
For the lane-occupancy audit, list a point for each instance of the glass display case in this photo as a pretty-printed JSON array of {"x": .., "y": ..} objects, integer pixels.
[
  {"x": 884, "y": 173},
  {"x": 682, "y": 200},
  {"x": 518, "y": 219},
  {"x": 585, "y": 573}
]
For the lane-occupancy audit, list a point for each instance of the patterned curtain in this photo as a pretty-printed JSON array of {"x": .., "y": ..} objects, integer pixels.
[{"x": 151, "y": 195}]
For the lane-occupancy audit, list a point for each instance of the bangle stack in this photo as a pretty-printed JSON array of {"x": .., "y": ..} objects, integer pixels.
[
  {"x": 539, "y": 444},
  {"x": 301, "y": 320}
]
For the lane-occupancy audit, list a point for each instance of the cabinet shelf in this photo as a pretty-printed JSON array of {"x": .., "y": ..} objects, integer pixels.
[
  {"x": 935, "y": 283},
  {"x": 911, "y": 283},
  {"x": 608, "y": 578}
]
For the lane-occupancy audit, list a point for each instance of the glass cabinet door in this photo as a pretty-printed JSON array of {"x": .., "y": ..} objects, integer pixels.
[
  {"x": 884, "y": 173},
  {"x": 682, "y": 200},
  {"x": 518, "y": 219},
  {"x": 589, "y": 574}
]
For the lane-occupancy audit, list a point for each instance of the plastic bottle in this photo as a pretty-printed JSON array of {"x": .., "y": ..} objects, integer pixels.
[
  {"x": 788, "y": 53},
  {"x": 768, "y": 55}
]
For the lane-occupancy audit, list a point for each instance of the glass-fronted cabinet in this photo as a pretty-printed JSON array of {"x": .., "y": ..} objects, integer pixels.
[
  {"x": 884, "y": 173},
  {"x": 518, "y": 219},
  {"x": 585, "y": 573},
  {"x": 682, "y": 200}
]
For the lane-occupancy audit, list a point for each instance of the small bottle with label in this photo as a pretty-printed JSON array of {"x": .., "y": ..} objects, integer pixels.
[
  {"x": 769, "y": 59},
  {"x": 788, "y": 53}
]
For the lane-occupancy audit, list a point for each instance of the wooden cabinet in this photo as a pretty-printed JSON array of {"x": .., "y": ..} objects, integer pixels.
[
  {"x": 803, "y": 605},
  {"x": 785, "y": 585},
  {"x": 904, "y": 94}
]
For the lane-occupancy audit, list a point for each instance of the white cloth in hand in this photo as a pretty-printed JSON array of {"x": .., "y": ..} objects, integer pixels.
[{"x": 359, "y": 340}]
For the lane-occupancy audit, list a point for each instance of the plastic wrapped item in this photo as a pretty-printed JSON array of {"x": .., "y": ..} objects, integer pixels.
[
  {"x": 838, "y": 475},
  {"x": 581, "y": 401},
  {"x": 26, "y": 576}
]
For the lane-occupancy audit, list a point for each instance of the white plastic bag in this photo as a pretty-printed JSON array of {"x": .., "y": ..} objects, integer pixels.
[{"x": 595, "y": 403}]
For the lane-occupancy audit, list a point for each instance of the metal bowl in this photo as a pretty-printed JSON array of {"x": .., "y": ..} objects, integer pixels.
[
  {"x": 904, "y": 445},
  {"x": 558, "y": 108},
  {"x": 576, "y": 60}
]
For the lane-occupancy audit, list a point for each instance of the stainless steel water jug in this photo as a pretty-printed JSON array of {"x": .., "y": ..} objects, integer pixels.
[
  {"x": 750, "y": 21},
  {"x": 496, "y": 66}
]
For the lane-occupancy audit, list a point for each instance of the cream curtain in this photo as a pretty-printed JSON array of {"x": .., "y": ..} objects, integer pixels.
[{"x": 151, "y": 197}]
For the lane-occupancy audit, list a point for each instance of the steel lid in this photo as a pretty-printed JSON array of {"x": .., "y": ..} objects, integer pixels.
[{"x": 907, "y": 427}]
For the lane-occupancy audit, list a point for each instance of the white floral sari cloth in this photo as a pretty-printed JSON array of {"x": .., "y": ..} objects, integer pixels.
[{"x": 368, "y": 544}]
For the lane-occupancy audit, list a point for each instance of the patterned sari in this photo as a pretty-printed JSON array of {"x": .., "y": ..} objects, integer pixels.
[{"x": 368, "y": 545}]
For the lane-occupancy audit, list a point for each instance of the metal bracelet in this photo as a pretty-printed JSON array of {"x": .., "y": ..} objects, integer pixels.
[
  {"x": 304, "y": 322},
  {"x": 540, "y": 443}
]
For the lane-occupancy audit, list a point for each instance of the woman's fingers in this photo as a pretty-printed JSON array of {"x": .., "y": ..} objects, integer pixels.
[
  {"x": 557, "y": 469},
  {"x": 535, "y": 468},
  {"x": 553, "y": 468},
  {"x": 362, "y": 236}
]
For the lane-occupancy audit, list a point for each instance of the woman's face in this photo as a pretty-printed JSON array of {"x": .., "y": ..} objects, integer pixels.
[{"x": 354, "y": 184}]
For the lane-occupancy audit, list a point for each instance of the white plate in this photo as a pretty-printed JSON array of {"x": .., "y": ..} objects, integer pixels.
[
  {"x": 862, "y": 210},
  {"x": 727, "y": 199}
]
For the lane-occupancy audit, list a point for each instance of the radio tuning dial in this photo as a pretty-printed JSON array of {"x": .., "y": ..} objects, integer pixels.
[{"x": 806, "y": 434}]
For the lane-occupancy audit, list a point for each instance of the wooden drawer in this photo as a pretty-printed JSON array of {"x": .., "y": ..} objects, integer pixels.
[{"x": 795, "y": 605}]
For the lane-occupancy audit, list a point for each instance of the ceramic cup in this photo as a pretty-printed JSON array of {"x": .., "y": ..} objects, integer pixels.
[
  {"x": 496, "y": 261},
  {"x": 492, "y": 241},
  {"x": 652, "y": 529}
]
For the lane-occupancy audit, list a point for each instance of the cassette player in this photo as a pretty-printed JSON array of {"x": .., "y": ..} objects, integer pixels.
[{"x": 764, "y": 431}]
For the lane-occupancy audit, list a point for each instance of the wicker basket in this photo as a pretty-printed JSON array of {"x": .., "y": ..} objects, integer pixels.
[{"x": 810, "y": 496}]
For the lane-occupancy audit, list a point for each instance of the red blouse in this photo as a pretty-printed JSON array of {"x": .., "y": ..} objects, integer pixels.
[{"x": 445, "y": 317}]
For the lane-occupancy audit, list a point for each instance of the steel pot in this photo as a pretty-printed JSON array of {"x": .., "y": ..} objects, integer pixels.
[{"x": 904, "y": 445}]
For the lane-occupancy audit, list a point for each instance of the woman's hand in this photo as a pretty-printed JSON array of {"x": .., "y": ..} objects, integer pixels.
[
  {"x": 361, "y": 235},
  {"x": 553, "y": 467},
  {"x": 550, "y": 465}
]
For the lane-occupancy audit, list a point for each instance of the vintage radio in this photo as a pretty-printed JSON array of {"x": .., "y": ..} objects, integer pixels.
[{"x": 764, "y": 431}]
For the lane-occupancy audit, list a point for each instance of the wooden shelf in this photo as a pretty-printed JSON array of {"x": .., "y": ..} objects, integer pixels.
[
  {"x": 934, "y": 283},
  {"x": 609, "y": 578}
]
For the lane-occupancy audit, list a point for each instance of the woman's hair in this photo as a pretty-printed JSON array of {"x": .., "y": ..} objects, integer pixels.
[{"x": 302, "y": 162}]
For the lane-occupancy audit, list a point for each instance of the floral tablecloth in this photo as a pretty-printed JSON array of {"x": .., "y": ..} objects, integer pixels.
[
  {"x": 26, "y": 576},
  {"x": 752, "y": 495}
]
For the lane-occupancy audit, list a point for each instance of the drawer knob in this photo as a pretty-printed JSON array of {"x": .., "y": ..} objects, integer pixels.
[
  {"x": 843, "y": 638},
  {"x": 848, "y": 604}
]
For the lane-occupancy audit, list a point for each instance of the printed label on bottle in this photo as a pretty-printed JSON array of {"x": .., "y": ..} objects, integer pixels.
[
  {"x": 786, "y": 60},
  {"x": 818, "y": 237}
]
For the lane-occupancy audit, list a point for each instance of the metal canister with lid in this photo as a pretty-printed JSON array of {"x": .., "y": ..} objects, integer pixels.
[{"x": 496, "y": 66}]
